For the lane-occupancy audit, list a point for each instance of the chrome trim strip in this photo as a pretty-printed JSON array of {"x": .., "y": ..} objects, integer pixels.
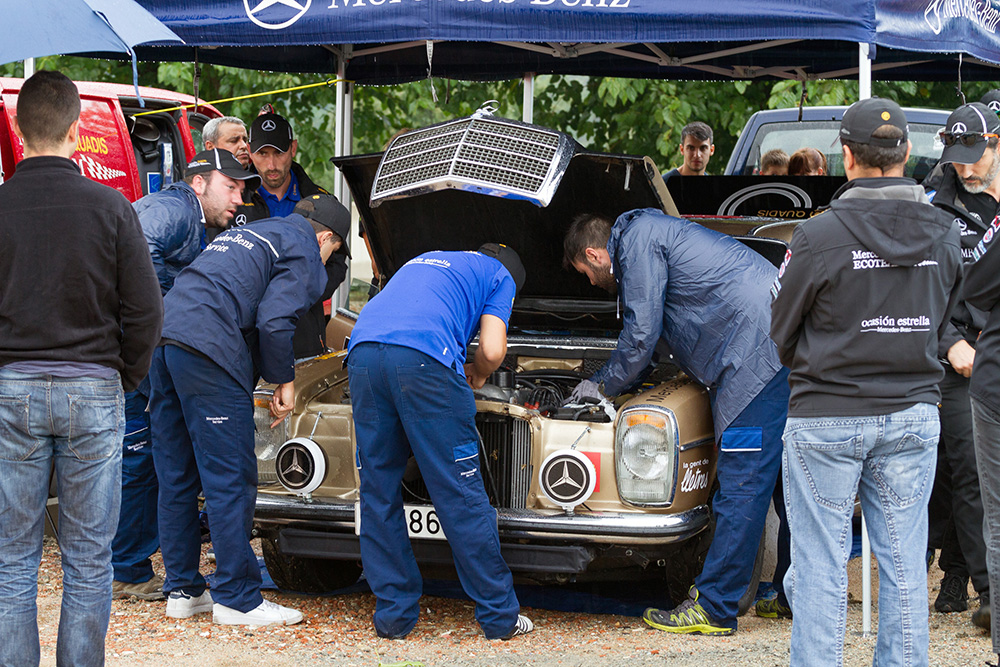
[
  {"x": 697, "y": 443},
  {"x": 595, "y": 527}
]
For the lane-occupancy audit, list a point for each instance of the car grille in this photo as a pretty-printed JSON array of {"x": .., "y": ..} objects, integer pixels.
[
  {"x": 507, "y": 466},
  {"x": 488, "y": 155}
]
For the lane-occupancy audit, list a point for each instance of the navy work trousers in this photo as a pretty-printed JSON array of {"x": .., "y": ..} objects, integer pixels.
[
  {"x": 404, "y": 399},
  {"x": 137, "y": 538},
  {"x": 747, "y": 470},
  {"x": 203, "y": 429}
]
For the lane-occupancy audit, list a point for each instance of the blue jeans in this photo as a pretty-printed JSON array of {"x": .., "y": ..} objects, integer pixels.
[
  {"x": 77, "y": 423},
  {"x": 986, "y": 427},
  {"x": 404, "y": 399},
  {"x": 889, "y": 460}
]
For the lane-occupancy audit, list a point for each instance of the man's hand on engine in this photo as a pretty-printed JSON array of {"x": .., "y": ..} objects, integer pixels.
[{"x": 585, "y": 392}]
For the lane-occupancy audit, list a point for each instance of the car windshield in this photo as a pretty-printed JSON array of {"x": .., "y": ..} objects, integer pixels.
[{"x": 822, "y": 135}]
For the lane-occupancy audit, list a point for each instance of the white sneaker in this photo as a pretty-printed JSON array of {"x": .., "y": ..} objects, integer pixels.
[
  {"x": 264, "y": 614},
  {"x": 182, "y": 605},
  {"x": 522, "y": 627}
]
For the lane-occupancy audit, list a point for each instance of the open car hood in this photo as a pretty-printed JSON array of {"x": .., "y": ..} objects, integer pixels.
[{"x": 449, "y": 198}]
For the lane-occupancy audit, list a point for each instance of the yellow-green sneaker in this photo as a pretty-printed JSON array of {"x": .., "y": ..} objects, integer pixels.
[
  {"x": 772, "y": 608},
  {"x": 688, "y": 617}
]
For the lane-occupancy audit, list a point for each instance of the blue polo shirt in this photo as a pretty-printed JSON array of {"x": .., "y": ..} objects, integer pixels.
[
  {"x": 434, "y": 302},
  {"x": 281, "y": 208}
]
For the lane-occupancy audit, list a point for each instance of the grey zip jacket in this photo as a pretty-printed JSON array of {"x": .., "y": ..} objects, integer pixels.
[
  {"x": 701, "y": 294},
  {"x": 862, "y": 299}
]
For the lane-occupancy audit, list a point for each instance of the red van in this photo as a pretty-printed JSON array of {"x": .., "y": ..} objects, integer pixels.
[{"x": 135, "y": 154}]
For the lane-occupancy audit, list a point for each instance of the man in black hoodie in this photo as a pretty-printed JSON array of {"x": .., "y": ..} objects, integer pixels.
[
  {"x": 966, "y": 184},
  {"x": 80, "y": 314},
  {"x": 860, "y": 303}
]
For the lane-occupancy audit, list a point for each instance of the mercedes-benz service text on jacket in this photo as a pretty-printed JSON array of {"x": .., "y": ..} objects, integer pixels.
[
  {"x": 982, "y": 290},
  {"x": 310, "y": 334},
  {"x": 862, "y": 299},
  {"x": 703, "y": 295},
  {"x": 174, "y": 226},
  {"x": 251, "y": 282},
  {"x": 76, "y": 283}
]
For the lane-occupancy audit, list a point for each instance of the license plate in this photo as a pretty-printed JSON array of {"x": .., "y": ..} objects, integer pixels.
[{"x": 421, "y": 522}]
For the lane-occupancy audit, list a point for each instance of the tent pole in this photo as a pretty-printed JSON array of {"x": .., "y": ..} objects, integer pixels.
[
  {"x": 528, "y": 105},
  {"x": 343, "y": 116},
  {"x": 864, "y": 72},
  {"x": 29, "y": 67}
]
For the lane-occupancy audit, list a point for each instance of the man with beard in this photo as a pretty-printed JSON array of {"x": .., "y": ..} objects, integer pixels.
[
  {"x": 703, "y": 298},
  {"x": 174, "y": 222},
  {"x": 283, "y": 184},
  {"x": 966, "y": 185}
]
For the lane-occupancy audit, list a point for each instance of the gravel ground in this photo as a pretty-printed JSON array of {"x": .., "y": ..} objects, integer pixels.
[{"x": 338, "y": 631}]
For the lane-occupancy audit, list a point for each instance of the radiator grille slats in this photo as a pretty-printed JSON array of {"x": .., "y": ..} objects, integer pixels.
[
  {"x": 507, "y": 465},
  {"x": 482, "y": 153}
]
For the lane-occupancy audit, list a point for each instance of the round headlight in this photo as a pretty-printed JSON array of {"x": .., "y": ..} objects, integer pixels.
[
  {"x": 644, "y": 453},
  {"x": 300, "y": 466},
  {"x": 646, "y": 456}
]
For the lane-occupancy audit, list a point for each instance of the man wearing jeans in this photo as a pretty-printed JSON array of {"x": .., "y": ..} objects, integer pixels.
[
  {"x": 80, "y": 313},
  {"x": 860, "y": 303}
]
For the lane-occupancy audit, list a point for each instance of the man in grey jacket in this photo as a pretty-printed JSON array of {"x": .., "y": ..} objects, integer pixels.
[
  {"x": 861, "y": 302},
  {"x": 702, "y": 297}
]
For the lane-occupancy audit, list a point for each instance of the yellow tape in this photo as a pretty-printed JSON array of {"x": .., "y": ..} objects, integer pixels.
[{"x": 329, "y": 82}]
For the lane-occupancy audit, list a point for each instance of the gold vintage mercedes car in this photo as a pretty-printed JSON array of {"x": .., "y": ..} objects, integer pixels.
[{"x": 582, "y": 492}]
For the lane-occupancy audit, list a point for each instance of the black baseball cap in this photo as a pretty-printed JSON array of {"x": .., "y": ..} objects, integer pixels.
[
  {"x": 327, "y": 211},
  {"x": 270, "y": 129},
  {"x": 968, "y": 120},
  {"x": 221, "y": 160},
  {"x": 992, "y": 100},
  {"x": 506, "y": 256},
  {"x": 862, "y": 119}
]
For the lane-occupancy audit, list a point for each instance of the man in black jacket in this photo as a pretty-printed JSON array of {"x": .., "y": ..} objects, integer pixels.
[
  {"x": 283, "y": 184},
  {"x": 860, "y": 303},
  {"x": 80, "y": 314},
  {"x": 966, "y": 184}
]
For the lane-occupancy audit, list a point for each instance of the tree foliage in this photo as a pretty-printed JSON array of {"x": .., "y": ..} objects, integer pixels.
[{"x": 634, "y": 116}]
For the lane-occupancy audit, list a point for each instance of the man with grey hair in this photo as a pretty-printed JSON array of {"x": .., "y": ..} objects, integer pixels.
[
  {"x": 229, "y": 133},
  {"x": 965, "y": 185}
]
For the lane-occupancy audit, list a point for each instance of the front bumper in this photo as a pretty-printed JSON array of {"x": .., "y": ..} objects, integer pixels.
[{"x": 605, "y": 528}]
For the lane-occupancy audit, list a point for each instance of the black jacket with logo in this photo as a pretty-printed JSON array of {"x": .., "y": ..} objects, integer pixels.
[
  {"x": 982, "y": 290},
  {"x": 943, "y": 189},
  {"x": 862, "y": 299},
  {"x": 310, "y": 333}
]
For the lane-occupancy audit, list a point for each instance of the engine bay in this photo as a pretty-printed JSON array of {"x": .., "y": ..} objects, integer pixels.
[{"x": 544, "y": 390}]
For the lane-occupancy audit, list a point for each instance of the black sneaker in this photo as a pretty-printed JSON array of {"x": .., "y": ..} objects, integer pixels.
[
  {"x": 954, "y": 594},
  {"x": 689, "y": 617},
  {"x": 522, "y": 627},
  {"x": 981, "y": 618},
  {"x": 772, "y": 608}
]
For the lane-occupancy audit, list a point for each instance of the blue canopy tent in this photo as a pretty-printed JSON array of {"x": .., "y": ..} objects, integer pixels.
[{"x": 391, "y": 41}]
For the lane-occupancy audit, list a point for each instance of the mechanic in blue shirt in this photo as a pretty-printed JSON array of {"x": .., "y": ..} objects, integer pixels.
[
  {"x": 411, "y": 389},
  {"x": 704, "y": 297},
  {"x": 284, "y": 181},
  {"x": 174, "y": 222},
  {"x": 229, "y": 318}
]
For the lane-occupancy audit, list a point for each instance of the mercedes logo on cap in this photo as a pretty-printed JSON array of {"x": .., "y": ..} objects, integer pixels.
[
  {"x": 268, "y": 125},
  {"x": 276, "y": 14},
  {"x": 959, "y": 128},
  {"x": 568, "y": 478},
  {"x": 994, "y": 106}
]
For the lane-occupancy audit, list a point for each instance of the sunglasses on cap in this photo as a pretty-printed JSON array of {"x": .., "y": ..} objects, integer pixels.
[{"x": 967, "y": 139}]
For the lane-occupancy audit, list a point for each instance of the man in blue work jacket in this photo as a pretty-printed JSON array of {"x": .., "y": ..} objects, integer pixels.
[
  {"x": 174, "y": 223},
  {"x": 229, "y": 318},
  {"x": 705, "y": 298},
  {"x": 411, "y": 389}
]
